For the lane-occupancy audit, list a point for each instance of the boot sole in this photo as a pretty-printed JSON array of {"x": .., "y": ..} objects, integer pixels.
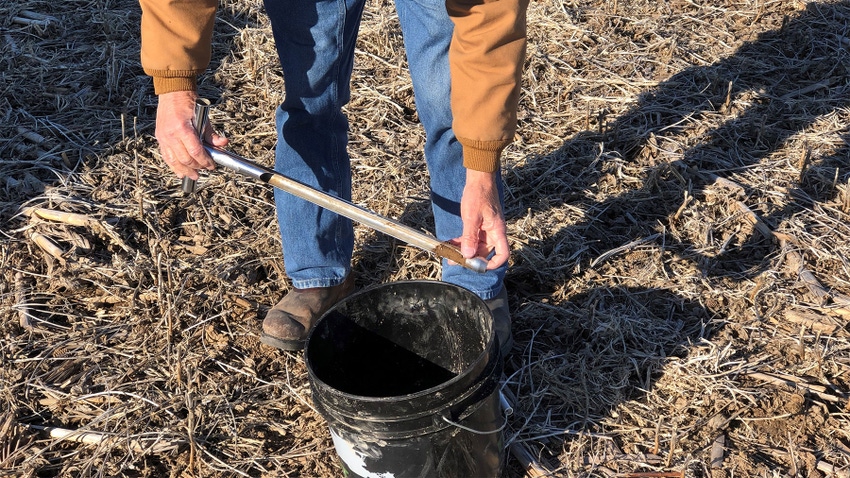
[{"x": 282, "y": 344}]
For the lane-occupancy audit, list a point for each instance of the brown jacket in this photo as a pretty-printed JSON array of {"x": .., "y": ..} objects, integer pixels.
[{"x": 486, "y": 57}]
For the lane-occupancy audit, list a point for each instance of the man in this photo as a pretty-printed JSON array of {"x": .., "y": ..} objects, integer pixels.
[{"x": 470, "y": 51}]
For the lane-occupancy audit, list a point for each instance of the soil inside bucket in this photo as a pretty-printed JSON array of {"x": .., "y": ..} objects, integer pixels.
[{"x": 358, "y": 361}]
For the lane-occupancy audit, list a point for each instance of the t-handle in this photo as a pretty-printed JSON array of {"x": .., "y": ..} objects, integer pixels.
[{"x": 202, "y": 115}]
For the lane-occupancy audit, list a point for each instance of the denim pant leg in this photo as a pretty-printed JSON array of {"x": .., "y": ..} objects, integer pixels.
[
  {"x": 427, "y": 32},
  {"x": 315, "y": 42}
]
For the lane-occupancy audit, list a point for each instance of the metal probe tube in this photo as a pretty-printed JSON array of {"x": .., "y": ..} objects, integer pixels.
[
  {"x": 332, "y": 203},
  {"x": 344, "y": 208}
]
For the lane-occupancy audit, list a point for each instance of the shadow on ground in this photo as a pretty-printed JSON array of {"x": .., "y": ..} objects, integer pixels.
[{"x": 705, "y": 128}]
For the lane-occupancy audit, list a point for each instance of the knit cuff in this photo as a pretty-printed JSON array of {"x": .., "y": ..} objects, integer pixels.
[
  {"x": 162, "y": 84},
  {"x": 482, "y": 156},
  {"x": 167, "y": 81}
]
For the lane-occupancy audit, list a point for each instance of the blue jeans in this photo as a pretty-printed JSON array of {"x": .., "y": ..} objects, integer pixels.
[{"x": 315, "y": 41}]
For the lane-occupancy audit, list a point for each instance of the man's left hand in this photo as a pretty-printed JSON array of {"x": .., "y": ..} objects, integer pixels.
[{"x": 484, "y": 230}]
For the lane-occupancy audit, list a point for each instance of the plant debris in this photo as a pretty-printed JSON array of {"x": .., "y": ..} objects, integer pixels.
[{"x": 678, "y": 204}]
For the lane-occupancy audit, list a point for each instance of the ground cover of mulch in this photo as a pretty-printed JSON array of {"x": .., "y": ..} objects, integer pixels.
[{"x": 678, "y": 200}]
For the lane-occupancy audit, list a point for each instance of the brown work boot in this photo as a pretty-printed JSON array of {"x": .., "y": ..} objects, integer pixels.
[{"x": 287, "y": 323}]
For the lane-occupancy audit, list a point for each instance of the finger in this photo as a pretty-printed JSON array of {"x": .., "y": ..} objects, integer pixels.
[
  {"x": 187, "y": 153},
  {"x": 219, "y": 141},
  {"x": 501, "y": 256},
  {"x": 182, "y": 160},
  {"x": 178, "y": 167},
  {"x": 469, "y": 240},
  {"x": 174, "y": 152},
  {"x": 216, "y": 140},
  {"x": 186, "y": 147},
  {"x": 196, "y": 156},
  {"x": 213, "y": 138}
]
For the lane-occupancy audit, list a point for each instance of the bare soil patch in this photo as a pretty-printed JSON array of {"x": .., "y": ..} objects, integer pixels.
[{"x": 678, "y": 207}]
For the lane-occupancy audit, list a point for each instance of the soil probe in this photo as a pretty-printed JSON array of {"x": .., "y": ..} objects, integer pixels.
[{"x": 331, "y": 203}]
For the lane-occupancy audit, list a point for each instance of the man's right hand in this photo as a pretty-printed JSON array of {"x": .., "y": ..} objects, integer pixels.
[{"x": 179, "y": 145}]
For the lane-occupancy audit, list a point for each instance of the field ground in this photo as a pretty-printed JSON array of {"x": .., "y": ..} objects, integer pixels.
[{"x": 678, "y": 204}]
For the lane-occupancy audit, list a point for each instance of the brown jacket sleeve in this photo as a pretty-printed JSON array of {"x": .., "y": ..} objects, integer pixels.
[
  {"x": 176, "y": 41},
  {"x": 486, "y": 57}
]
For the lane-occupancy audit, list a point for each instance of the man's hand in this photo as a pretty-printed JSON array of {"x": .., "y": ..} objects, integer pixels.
[
  {"x": 179, "y": 145},
  {"x": 484, "y": 229}
]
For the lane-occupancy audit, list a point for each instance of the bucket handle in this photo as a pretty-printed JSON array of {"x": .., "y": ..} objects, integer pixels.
[{"x": 508, "y": 411}]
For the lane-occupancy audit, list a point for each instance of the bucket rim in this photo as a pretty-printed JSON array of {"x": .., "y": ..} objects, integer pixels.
[{"x": 480, "y": 362}]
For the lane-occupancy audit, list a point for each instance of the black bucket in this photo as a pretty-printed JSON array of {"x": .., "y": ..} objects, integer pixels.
[{"x": 406, "y": 375}]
